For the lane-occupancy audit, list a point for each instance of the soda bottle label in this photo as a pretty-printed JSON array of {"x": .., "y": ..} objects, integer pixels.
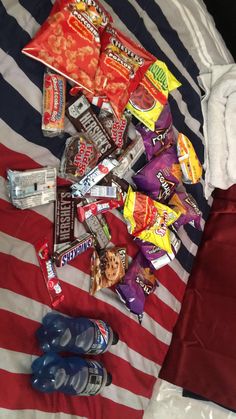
[
  {"x": 101, "y": 338},
  {"x": 95, "y": 379}
]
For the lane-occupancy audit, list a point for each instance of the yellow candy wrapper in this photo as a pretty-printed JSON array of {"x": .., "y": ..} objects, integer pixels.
[
  {"x": 188, "y": 160},
  {"x": 149, "y": 219},
  {"x": 147, "y": 101}
]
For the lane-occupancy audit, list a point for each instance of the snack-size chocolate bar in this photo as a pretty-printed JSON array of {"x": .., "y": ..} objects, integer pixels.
[
  {"x": 84, "y": 119},
  {"x": 93, "y": 177},
  {"x": 69, "y": 252},
  {"x": 64, "y": 217},
  {"x": 94, "y": 226}
]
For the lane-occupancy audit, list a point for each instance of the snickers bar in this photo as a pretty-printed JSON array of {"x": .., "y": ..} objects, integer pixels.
[{"x": 72, "y": 250}]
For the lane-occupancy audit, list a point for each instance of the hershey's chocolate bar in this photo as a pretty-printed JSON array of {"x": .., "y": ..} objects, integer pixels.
[
  {"x": 64, "y": 217},
  {"x": 83, "y": 118}
]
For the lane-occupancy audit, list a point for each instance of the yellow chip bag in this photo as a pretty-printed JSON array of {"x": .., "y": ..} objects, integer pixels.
[
  {"x": 149, "y": 219},
  {"x": 148, "y": 99},
  {"x": 188, "y": 160}
]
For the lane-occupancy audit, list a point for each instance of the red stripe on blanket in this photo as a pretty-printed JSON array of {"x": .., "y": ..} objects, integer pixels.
[
  {"x": 15, "y": 161},
  {"x": 24, "y": 340},
  {"x": 27, "y": 398},
  {"x": 136, "y": 336}
]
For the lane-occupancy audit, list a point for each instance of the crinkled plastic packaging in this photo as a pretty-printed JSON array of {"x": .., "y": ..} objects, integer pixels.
[
  {"x": 149, "y": 220},
  {"x": 160, "y": 177},
  {"x": 185, "y": 204},
  {"x": 189, "y": 163},
  {"x": 69, "y": 40},
  {"x": 163, "y": 136},
  {"x": 30, "y": 188},
  {"x": 107, "y": 268},
  {"x": 122, "y": 65},
  {"x": 147, "y": 101},
  {"x": 79, "y": 157},
  {"x": 157, "y": 256},
  {"x": 138, "y": 283}
]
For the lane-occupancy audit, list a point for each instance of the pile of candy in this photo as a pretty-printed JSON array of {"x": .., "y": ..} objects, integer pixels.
[{"x": 118, "y": 104}]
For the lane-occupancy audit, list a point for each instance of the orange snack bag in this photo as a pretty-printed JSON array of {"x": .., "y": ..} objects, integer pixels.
[
  {"x": 122, "y": 65},
  {"x": 69, "y": 40}
]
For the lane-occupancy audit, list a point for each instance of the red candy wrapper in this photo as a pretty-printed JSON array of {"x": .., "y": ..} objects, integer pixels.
[
  {"x": 69, "y": 40},
  {"x": 49, "y": 272},
  {"x": 98, "y": 207},
  {"x": 122, "y": 65}
]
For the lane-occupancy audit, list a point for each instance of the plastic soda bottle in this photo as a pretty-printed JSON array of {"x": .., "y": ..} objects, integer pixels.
[
  {"x": 79, "y": 334},
  {"x": 73, "y": 375}
]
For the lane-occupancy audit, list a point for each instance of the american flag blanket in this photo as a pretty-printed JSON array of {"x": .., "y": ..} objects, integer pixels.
[{"x": 180, "y": 33}]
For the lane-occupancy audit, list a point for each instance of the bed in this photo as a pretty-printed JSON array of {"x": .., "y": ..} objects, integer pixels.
[{"x": 183, "y": 35}]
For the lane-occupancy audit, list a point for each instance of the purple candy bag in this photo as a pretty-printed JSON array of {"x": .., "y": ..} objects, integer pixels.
[
  {"x": 139, "y": 281},
  {"x": 160, "y": 176},
  {"x": 157, "y": 256},
  {"x": 186, "y": 204},
  {"x": 162, "y": 137}
]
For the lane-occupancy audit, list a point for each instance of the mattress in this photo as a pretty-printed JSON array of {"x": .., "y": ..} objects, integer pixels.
[{"x": 182, "y": 35}]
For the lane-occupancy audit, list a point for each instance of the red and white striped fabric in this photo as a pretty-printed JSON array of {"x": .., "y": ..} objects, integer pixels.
[{"x": 136, "y": 360}]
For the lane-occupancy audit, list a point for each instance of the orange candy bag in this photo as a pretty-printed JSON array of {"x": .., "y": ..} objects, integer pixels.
[
  {"x": 69, "y": 40},
  {"x": 122, "y": 65}
]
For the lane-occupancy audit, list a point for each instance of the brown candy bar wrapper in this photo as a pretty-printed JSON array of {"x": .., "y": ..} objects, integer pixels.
[
  {"x": 121, "y": 184},
  {"x": 116, "y": 128},
  {"x": 79, "y": 157},
  {"x": 83, "y": 118},
  {"x": 107, "y": 268},
  {"x": 64, "y": 217},
  {"x": 72, "y": 250}
]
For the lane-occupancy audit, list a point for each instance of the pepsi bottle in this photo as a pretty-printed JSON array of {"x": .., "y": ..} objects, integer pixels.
[
  {"x": 78, "y": 335},
  {"x": 73, "y": 375}
]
